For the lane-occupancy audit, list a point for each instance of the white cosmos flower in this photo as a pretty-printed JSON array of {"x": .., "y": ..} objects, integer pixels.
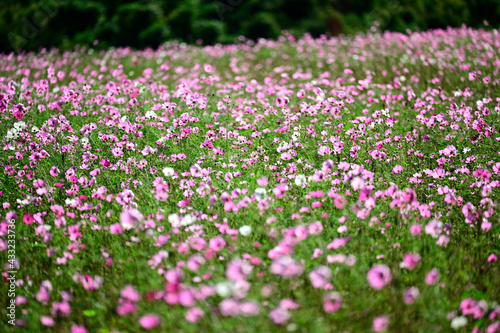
[
  {"x": 174, "y": 220},
  {"x": 20, "y": 125},
  {"x": 260, "y": 193},
  {"x": 187, "y": 220},
  {"x": 70, "y": 202},
  {"x": 168, "y": 172},
  {"x": 300, "y": 179},
  {"x": 151, "y": 114},
  {"x": 458, "y": 322},
  {"x": 12, "y": 134},
  {"x": 245, "y": 230},
  {"x": 224, "y": 289}
]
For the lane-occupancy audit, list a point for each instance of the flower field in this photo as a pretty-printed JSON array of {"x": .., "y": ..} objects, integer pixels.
[{"x": 343, "y": 184}]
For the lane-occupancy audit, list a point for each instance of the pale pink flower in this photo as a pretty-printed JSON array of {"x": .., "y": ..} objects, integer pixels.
[
  {"x": 129, "y": 218},
  {"x": 78, "y": 329},
  {"x": 320, "y": 276},
  {"x": 332, "y": 302},
  {"x": 379, "y": 276},
  {"x": 194, "y": 314},
  {"x": 381, "y": 324},
  {"x": 47, "y": 321},
  {"x": 279, "y": 315},
  {"x": 410, "y": 295}
]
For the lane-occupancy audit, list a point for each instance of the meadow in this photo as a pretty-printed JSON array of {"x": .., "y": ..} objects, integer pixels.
[{"x": 345, "y": 184}]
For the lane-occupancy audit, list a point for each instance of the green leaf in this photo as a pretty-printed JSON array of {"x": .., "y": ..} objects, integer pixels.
[{"x": 89, "y": 313}]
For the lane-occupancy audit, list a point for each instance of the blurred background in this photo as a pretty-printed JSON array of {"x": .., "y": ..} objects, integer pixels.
[{"x": 30, "y": 25}]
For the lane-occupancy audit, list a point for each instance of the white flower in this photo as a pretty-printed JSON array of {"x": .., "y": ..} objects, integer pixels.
[
  {"x": 466, "y": 150},
  {"x": 224, "y": 289},
  {"x": 168, "y": 172},
  {"x": 385, "y": 112},
  {"x": 124, "y": 119},
  {"x": 84, "y": 140},
  {"x": 295, "y": 136},
  {"x": 245, "y": 230},
  {"x": 35, "y": 129},
  {"x": 260, "y": 193},
  {"x": 20, "y": 125},
  {"x": 187, "y": 220},
  {"x": 458, "y": 322},
  {"x": 300, "y": 179},
  {"x": 70, "y": 202},
  {"x": 174, "y": 220},
  {"x": 151, "y": 114},
  {"x": 12, "y": 134}
]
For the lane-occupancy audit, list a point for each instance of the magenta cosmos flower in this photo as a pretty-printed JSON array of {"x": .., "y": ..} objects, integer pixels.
[
  {"x": 379, "y": 276},
  {"x": 149, "y": 321}
]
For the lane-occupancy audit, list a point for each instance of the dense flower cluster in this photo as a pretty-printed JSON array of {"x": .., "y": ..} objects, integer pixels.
[{"x": 344, "y": 183}]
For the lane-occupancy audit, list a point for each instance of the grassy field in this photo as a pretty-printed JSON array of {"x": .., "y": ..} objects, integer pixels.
[{"x": 312, "y": 185}]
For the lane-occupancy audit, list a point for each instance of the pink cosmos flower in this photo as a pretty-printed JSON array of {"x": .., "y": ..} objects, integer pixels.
[
  {"x": 90, "y": 283},
  {"x": 47, "y": 321},
  {"x": 249, "y": 309},
  {"x": 115, "y": 229},
  {"x": 410, "y": 295},
  {"x": 357, "y": 183},
  {"x": 286, "y": 267},
  {"x": 216, "y": 244},
  {"x": 129, "y": 218},
  {"x": 416, "y": 229},
  {"x": 280, "y": 190},
  {"x": 397, "y": 169},
  {"x": 149, "y": 321},
  {"x": 381, "y": 324},
  {"x": 262, "y": 181},
  {"x": 238, "y": 269},
  {"x": 28, "y": 219},
  {"x": 289, "y": 304},
  {"x": 379, "y": 276},
  {"x": 315, "y": 228},
  {"x": 279, "y": 315},
  {"x": 281, "y": 102},
  {"x": 129, "y": 293},
  {"x": 434, "y": 228},
  {"x": 320, "y": 276},
  {"x": 332, "y": 302},
  {"x": 78, "y": 329},
  {"x": 229, "y": 307},
  {"x": 432, "y": 276},
  {"x": 194, "y": 314},
  {"x": 324, "y": 150},
  {"x": 410, "y": 261},
  {"x": 125, "y": 307}
]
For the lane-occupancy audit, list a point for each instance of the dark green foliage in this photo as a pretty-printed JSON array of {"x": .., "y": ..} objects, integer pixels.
[{"x": 29, "y": 25}]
